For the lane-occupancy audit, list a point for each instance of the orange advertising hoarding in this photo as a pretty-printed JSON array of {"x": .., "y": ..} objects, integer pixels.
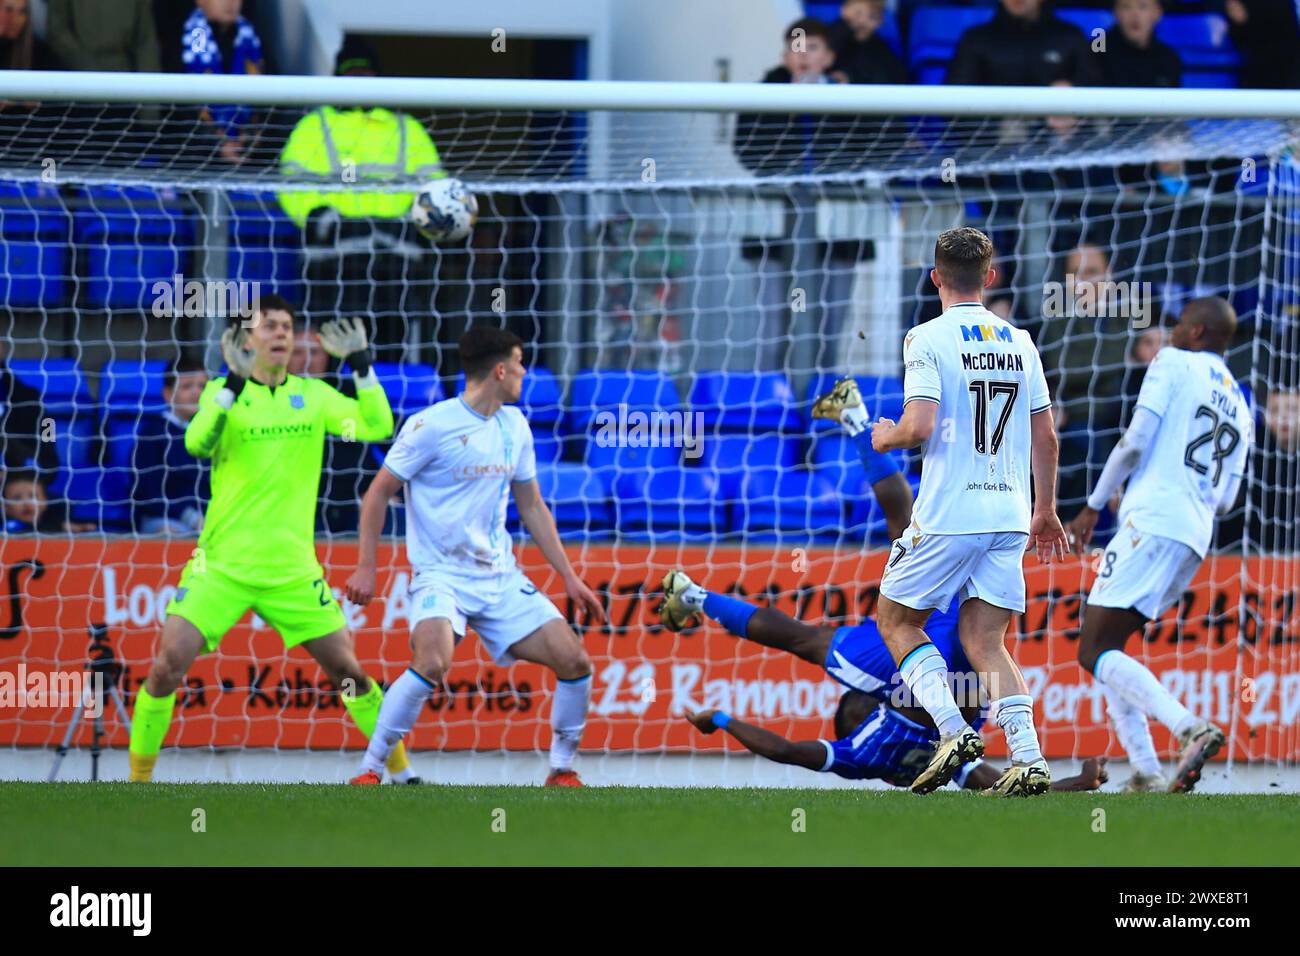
[{"x": 1233, "y": 655}]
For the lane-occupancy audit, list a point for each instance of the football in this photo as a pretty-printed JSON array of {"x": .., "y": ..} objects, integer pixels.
[{"x": 444, "y": 210}]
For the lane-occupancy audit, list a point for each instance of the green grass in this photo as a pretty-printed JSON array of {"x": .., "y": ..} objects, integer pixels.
[{"x": 118, "y": 824}]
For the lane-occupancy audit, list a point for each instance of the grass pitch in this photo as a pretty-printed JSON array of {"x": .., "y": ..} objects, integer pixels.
[{"x": 115, "y": 824}]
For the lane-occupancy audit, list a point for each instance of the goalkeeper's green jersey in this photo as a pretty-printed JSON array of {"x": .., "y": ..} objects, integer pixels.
[{"x": 259, "y": 527}]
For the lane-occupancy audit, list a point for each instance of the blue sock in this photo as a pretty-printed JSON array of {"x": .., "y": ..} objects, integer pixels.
[
  {"x": 879, "y": 465},
  {"x": 732, "y": 613}
]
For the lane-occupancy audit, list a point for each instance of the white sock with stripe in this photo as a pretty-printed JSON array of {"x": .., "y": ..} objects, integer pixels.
[
  {"x": 925, "y": 673},
  {"x": 568, "y": 720},
  {"x": 1133, "y": 730},
  {"x": 1133, "y": 682},
  {"x": 397, "y": 715},
  {"x": 1015, "y": 715}
]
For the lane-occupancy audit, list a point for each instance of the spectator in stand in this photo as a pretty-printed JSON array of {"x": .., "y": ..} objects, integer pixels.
[
  {"x": 26, "y": 433},
  {"x": 115, "y": 36},
  {"x": 20, "y": 47},
  {"x": 773, "y": 144},
  {"x": 1268, "y": 36},
  {"x": 171, "y": 485},
  {"x": 1132, "y": 55},
  {"x": 347, "y": 468},
  {"x": 217, "y": 39},
  {"x": 1023, "y": 45},
  {"x": 861, "y": 55},
  {"x": 362, "y": 255},
  {"x": 25, "y": 502}
]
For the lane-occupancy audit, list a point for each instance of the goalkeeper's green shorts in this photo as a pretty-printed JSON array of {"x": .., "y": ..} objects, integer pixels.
[{"x": 213, "y": 602}]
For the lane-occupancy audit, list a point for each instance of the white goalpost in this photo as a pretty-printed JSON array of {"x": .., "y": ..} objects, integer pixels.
[{"x": 720, "y": 253}]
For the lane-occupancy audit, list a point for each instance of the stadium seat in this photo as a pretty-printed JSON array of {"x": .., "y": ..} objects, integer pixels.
[
  {"x": 1088, "y": 20},
  {"x": 410, "y": 388},
  {"x": 881, "y": 395},
  {"x": 265, "y": 244},
  {"x": 541, "y": 400},
  {"x": 35, "y": 255},
  {"x": 670, "y": 503},
  {"x": 578, "y": 497},
  {"x": 732, "y": 457},
  {"x": 130, "y": 238},
  {"x": 744, "y": 402},
  {"x": 603, "y": 390},
  {"x": 794, "y": 504},
  {"x": 132, "y": 388},
  {"x": 933, "y": 36},
  {"x": 613, "y": 459},
  {"x": 828, "y": 11}
]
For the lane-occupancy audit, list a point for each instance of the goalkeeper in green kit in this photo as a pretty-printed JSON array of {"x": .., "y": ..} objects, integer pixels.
[{"x": 265, "y": 433}]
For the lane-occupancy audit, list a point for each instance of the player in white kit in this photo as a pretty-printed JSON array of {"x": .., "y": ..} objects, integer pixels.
[
  {"x": 459, "y": 461},
  {"x": 1184, "y": 455},
  {"x": 976, "y": 400}
]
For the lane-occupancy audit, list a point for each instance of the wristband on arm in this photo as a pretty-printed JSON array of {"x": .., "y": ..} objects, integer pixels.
[
  {"x": 720, "y": 719},
  {"x": 360, "y": 362}
]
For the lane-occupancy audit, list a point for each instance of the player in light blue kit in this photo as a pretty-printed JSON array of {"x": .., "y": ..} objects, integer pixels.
[{"x": 877, "y": 734}]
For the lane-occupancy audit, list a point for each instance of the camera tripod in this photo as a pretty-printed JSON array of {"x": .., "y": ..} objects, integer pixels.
[{"x": 102, "y": 664}]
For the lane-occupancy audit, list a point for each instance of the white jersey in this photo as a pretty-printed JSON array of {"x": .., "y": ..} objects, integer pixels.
[
  {"x": 458, "y": 467},
  {"x": 1202, "y": 444},
  {"x": 987, "y": 379}
]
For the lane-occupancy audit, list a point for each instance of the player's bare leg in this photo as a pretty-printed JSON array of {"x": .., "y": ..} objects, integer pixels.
[
  {"x": 362, "y": 697},
  {"x": 983, "y": 629},
  {"x": 554, "y": 645},
  {"x": 685, "y": 602},
  {"x": 432, "y": 647},
  {"x": 181, "y": 642},
  {"x": 925, "y": 672},
  {"x": 1133, "y": 693}
]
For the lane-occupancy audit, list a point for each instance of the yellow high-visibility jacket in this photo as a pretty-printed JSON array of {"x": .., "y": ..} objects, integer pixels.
[{"x": 341, "y": 146}]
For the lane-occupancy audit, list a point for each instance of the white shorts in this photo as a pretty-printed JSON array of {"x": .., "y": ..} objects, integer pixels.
[
  {"x": 502, "y": 608},
  {"x": 928, "y": 570},
  {"x": 1144, "y": 572}
]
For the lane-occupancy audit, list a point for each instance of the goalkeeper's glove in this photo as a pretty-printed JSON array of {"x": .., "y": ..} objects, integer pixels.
[
  {"x": 346, "y": 339},
  {"x": 238, "y": 359}
]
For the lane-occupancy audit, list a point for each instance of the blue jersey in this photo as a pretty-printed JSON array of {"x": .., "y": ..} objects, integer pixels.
[{"x": 885, "y": 746}]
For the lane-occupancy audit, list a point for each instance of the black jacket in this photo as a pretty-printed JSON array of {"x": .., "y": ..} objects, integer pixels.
[
  {"x": 1008, "y": 51},
  {"x": 1124, "y": 64},
  {"x": 869, "y": 61},
  {"x": 21, "y": 414}
]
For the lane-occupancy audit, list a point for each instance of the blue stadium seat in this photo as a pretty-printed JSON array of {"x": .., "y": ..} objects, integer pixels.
[
  {"x": 265, "y": 244},
  {"x": 579, "y": 499},
  {"x": 548, "y": 449},
  {"x": 933, "y": 36},
  {"x": 744, "y": 402},
  {"x": 1201, "y": 39},
  {"x": 410, "y": 388},
  {"x": 614, "y": 459},
  {"x": 603, "y": 390},
  {"x": 794, "y": 504},
  {"x": 130, "y": 238},
  {"x": 734, "y": 456},
  {"x": 1088, "y": 20},
  {"x": 35, "y": 252},
  {"x": 867, "y": 521},
  {"x": 882, "y": 396},
  {"x": 671, "y": 503},
  {"x": 132, "y": 388}
]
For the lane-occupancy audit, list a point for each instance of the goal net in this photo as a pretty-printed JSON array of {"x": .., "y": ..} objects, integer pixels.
[{"x": 686, "y": 281}]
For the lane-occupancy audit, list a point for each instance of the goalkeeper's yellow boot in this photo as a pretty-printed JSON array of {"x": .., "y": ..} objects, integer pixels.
[
  {"x": 950, "y": 754},
  {"x": 844, "y": 395},
  {"x": 1195, "y": 747},
  {"x": 1022, "y": 780},
  {"x": 674, "y": 612}
]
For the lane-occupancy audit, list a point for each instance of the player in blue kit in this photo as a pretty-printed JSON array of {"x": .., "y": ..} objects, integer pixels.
[{"x": 879, "y": 735}]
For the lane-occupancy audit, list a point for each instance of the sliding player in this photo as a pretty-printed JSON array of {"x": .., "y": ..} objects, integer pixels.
[
  {"x": 877, "y": 735},
  {"x": 1185, "y": 449},
  {"x": 459, "y": 461},
  {"x": 265, "y": 433},
  {"x": 976, "y": 401}
]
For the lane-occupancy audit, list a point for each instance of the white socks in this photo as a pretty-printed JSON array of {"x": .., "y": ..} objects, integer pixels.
[
  {"x": 925, "y": 673},
  {"x": 694, "y": 597},
  {"x": 1133, "y": 731},
  {"x": 568, "y": 718},
  {"x": 1138, "y": 687},
  {"x": 855, "y": 419},
  {"x": 1015, "y": 715},
  {"x": 397, "y": 715}
]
